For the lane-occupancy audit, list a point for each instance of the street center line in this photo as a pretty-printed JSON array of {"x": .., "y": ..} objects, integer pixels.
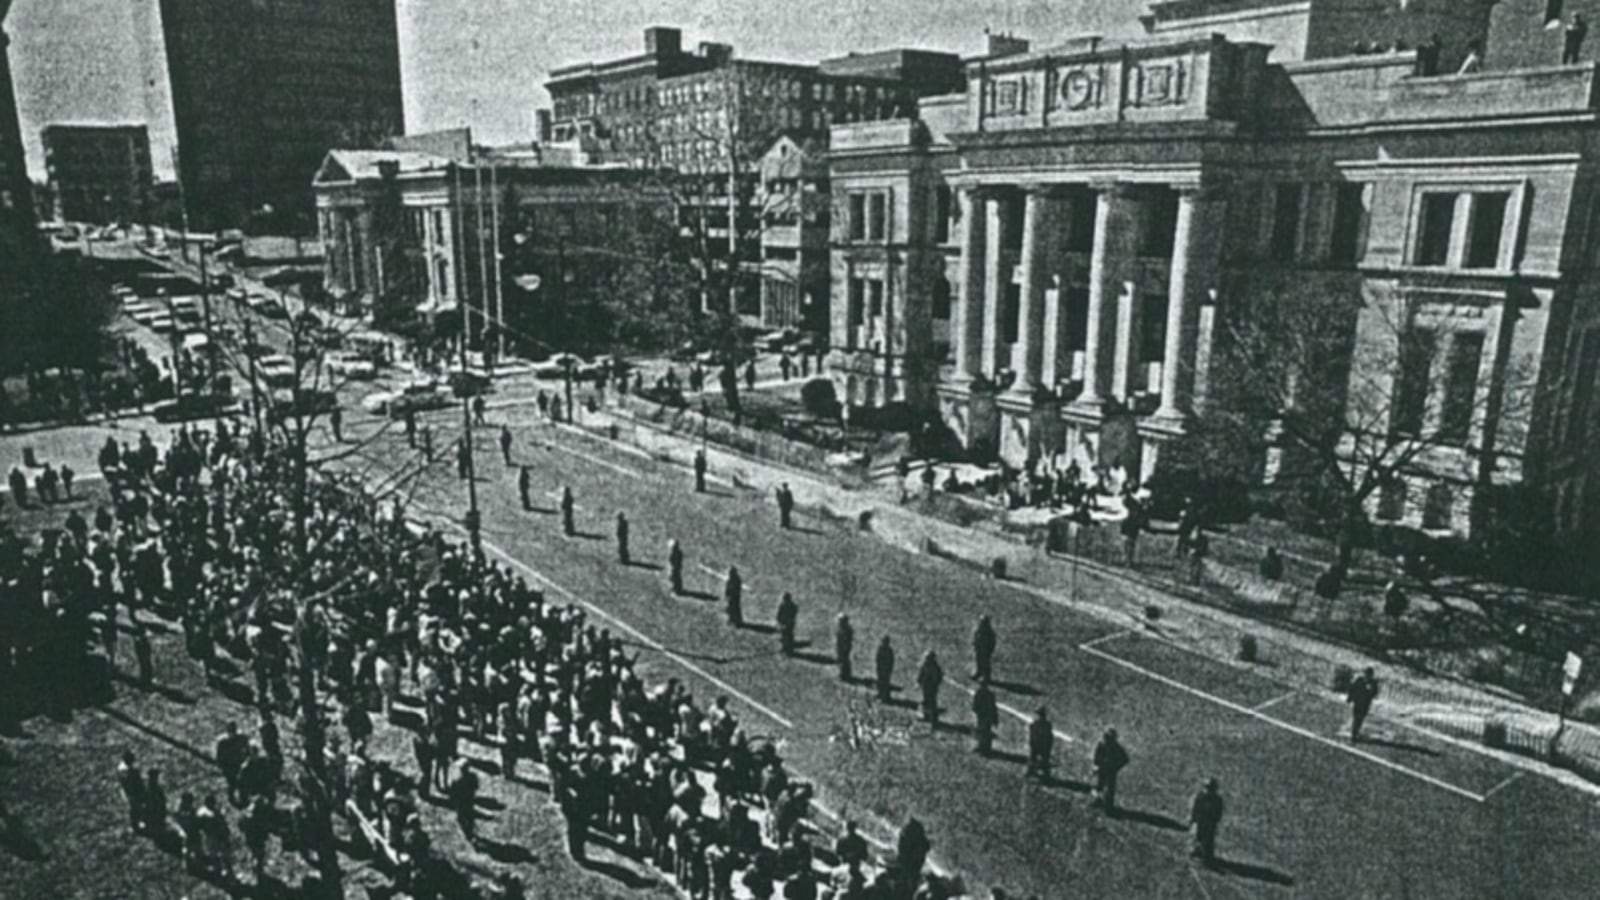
[
  {"x": 1502, "y": 785},
  {"x": 636, "y": 633},
  {"x": 1293, "y": 729},
  {"x": 1106, "y": 639},
  {"x": 714, "y": 573},
  {"x": 1274, "y": 701}
]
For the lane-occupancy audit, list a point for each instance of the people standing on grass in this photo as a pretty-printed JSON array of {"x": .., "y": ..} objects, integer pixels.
[{"x": 1362, "y": 691}]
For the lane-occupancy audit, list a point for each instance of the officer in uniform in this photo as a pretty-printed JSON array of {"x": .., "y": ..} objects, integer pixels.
[
  {"x": 567, "y": 526},
  {"x": 675, "y": 566},
  {"x": 1205, "y": 817},
  {"x": 1041, "y": 746},
  {"x": 986, "y": 718},
  {"x": 788, "y": 615},
  {"x": 885, "y": 668},
  {"x": 622, "y": 538},
  {"x": 505, "y": 443},
  {"x": 700, "y": 471},
  {"x": 524, "y": 482},
  {"x": 844, "y": 641},
  {"x": 1109, "y": 760},
  {"x": 930, "y": 675},
  {"x": 983, "y": 641},
  {"x": 733, "y": 597}
]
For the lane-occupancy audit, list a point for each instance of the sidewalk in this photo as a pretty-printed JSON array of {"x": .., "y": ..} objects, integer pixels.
[{"x": 1469, "y": 715}]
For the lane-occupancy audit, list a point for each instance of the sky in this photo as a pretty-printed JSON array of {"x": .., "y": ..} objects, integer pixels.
[{"x": 483, "y": 62}]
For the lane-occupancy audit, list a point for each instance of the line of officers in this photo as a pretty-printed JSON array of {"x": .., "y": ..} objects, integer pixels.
[{"x": 1109, "y": 758}]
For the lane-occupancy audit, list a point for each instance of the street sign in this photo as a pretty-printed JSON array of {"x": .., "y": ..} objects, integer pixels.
[{"x": 1569, "y": 672}]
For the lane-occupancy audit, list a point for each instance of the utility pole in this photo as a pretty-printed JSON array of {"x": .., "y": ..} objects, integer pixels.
[
  {"x": 483, "y": 259},
  {"x": 474, "y": 520},
  {"x": 499, "y": 270}
]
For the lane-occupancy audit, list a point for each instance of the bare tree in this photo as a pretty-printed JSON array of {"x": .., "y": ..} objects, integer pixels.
[{"x": 1326, "y": 400}]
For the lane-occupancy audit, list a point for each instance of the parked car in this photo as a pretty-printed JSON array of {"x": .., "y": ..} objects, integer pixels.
[
  {"x": 141, "y": 312},
  {"x": 256, "y": 349},
  {"x": 163, "y": 323},
  {"x": 195, "y": 406},
  {"x": 417, "y": 396},
  {"x": 468, "y": 384},
  {"x": 237, "y": 294},
  {"x": 286, "y": 402},
  {"x": 556, "y": 366},
  {"x": 351, "y": 365},
  {"x": 276, "y": 370}
]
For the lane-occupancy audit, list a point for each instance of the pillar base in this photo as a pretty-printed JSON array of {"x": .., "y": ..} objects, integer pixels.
[{"x": 1167, "y": 420}]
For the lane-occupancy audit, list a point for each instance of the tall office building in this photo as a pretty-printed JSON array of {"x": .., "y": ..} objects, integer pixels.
[
  {"x": 263, "y": 89},
  {"x": 18, "y": 236},
  {"x": 99, "y": 173}
]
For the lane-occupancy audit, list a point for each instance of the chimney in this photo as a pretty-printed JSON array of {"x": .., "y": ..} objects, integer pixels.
[
  {"x": 1005, "y": 45},
  {"x": 542, "y": 126},
  {"x": 660, "y": 41},
  {"x": 716, "y": 53},
  {"x": 388, "y": 169}
]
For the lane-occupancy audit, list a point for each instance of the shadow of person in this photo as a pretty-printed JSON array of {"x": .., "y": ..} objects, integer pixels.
[
  {"x": 640, "y": 564},
  {"x": 945, "y": 725},
  {"x": 1153, "y": 819},
  {"x": 821, "y": 659},
  {"x": 1014, "y": 687},
  {"x": 1251, "y": 871},
  {"x": 697, "y": 595}
]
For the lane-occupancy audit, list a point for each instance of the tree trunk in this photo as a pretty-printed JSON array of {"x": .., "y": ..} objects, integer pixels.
[{"x": 1350, "y": 530}]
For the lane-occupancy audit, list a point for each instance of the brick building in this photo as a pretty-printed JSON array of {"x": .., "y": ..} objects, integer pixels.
[
  {"x": 710, "y": 116},
  {"x": 263, "y": 89},
  {"x": 99, "y": 173},
  {"x": 1117, "y": 205}
]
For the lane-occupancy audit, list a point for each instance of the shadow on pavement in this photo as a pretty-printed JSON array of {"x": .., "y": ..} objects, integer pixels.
[
  {"x": 1155, "y": 820},
  {"x": 15, "y": 838},
  {"x": 1252, "y": 872},
  {"x": 821, "y": 659},
  {"x": 639, "y": 564}
]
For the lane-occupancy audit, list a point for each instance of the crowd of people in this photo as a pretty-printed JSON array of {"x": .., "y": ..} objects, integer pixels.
[{"x": 332, "y": 592}]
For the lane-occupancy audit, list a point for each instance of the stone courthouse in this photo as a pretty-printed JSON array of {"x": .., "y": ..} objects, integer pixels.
[{"x": 1050, "y": 257}]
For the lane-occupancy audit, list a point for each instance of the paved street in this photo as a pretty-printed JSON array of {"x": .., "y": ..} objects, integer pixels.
[{"x": 1403, "y": 815}]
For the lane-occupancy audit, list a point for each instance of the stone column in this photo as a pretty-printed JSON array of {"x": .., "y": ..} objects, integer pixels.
[
  {"x": 1190, "y": 282},
  {"x": 1038, "y": 241},
  {"x": 996, "y": 278},
  {"x": 1130, "y": 324},
  {"x": 968, "y": 324},
  {"x": 1113, "y": 244},
  {"x": 1173, "y": 355}
]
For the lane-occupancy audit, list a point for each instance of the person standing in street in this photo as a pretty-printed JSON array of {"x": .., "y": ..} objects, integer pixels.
[
  {"x": 675, "y": 566},
  {"x": 568, "y": 526},
  {"x": 1110, "y": 758},
  {"x": 884, "y": 664},
  {"x": 930, "y": 676},
  {"x": 478, "y": 410},
  {"x": 524, "y": 485},
  {"x": 844, "y": 642},
  {"x": 1572, "y": 39},
  {"x": 1041, "y": 746},
  {"x": 983, "y": 644},
  {"x": 1362, "y": 691},
  {"x": 336, "y": 421},
  {"x": 700, "y": 471},
  {"x": 131, "y": 782},
  {"x": 788, "y": 616},
  {"x": 985, "y": 719},
  {"x": 622, "y": 539},
  {"x": 505, "y": 443},
  {"x": 733, "y": 597},
  {"x": 1205, "y": 818},
  {"x": 785, "y": 506}
]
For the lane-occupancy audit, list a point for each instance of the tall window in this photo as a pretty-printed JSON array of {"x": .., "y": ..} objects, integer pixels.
[
  {"x": 1011, "y": 321},
  {"x": 857, "y": 303},
  {"x": 1348, "y": 244},
  {"x": 941, "y": 298},
  {"x": 1410, "y": 401},
  {"x": 858, "y": 217},
  {"x": 877, "y": 217},
  {"x": 1286, "y": 209},
  {"x": 1460, "y": 386},
  {"x": 942, "y": 205},
  {"x": 1485, "y": 227},
  {"x": 1438, "y": 219},
  {"x": 1438, "y": 506},
  {"x": 1158, "y": 223}
]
